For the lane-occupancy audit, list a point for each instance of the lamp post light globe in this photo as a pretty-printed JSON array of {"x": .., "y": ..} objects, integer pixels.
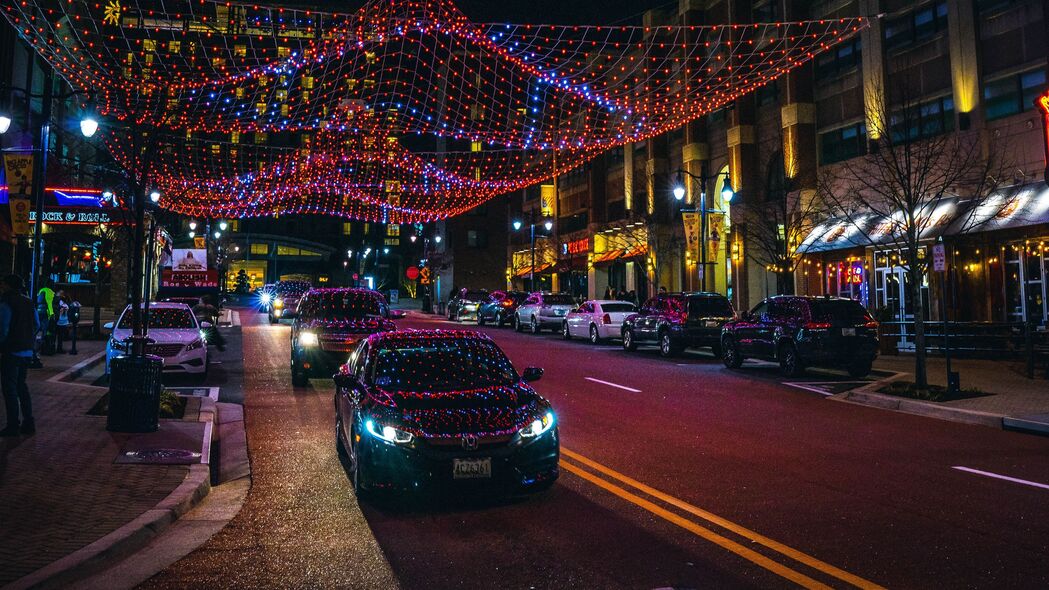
[
  {"x": 549, "y": 225},
  {"x": 88, "y": 126},
  {"x": 679, "y": 192},
  {"x": 349, "y": 254},
  {"x": 517, "y": 224},
  {"x": 413, "y": 237},
  {"x": 5, "y": 123},
  {"x": 727, "y": 193},
  {"x": 193, "y": 225},
  {"x": 154, "y": 196},
  {"x": 218, "y": 235},
  {"x": 192, "y": 233},
  {"x": 223, "y": 225},
  {"x": 437, "y": 239}
]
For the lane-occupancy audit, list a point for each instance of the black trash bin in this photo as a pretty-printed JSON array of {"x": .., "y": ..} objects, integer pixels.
[{"x": 135, "y": 385}]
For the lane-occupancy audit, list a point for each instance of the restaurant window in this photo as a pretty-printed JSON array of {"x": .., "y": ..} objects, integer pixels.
[
  {"x": 842, "y": 144},
  {"x": 262, "y": 249},
  {"x": 839, "y": 60},
  {"x": 1013, "y": 94}
]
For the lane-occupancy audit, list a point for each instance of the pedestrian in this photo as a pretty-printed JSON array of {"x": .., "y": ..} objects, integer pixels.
[
  {"x": 632, "y": 297},
  {"x": 18, "y": 326},
  {"x": 206, "y": 311},
  {"x": 61, "y": 307},
  {"x": 621, "y": 295},
  {"x": 45, "y": 310},
  {"x": 610, "y": 293},
  {"x": 662, "y": 290}
]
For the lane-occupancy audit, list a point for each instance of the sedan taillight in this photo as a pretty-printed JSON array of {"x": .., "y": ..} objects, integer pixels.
[{"x": 607, "y": 319}]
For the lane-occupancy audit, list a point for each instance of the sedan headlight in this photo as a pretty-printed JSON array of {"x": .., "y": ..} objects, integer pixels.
[
  {"x": 265, "y": 298},
  {"x": 198, "y": 343},
  {"x": 278, "y": 302},
  {"x": 120, "y": 345},
  {"x": 388, "y": 433},
  {"x": 308, "y": 339},
  {"x": 538, "y": 426}
]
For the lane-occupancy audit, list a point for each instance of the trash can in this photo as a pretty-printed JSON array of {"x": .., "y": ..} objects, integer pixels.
[{"x": 135, "y": 385}]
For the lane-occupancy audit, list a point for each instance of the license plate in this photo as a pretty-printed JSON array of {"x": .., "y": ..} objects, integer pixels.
[
  {"x": 848, "y": 331},
  {"x": 471, "y": 468}
]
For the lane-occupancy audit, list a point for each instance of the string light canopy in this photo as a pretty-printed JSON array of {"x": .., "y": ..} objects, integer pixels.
[{"x": 402, "y": 111}]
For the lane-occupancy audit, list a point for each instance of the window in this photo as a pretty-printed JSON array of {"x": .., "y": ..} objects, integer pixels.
[
  {"x": 1013, "y": 94},
  {"x": 916, "y": 26},
  {"x": 347, "y": 228},
  {"x": 292, "y": 251},
  {"x": 994, "y": 5},
  {"x": 393, "y": 230},
  {"x": 839, "y": 60},
  {"x": 842, "y": 144},
  {"x": 927, "y": 119},
  {"x": 262, "y": 249}
]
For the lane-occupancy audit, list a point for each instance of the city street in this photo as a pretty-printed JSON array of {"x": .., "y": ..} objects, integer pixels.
[{"x": 675, "y": 473}]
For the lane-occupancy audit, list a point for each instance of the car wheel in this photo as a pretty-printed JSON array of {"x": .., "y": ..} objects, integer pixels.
[
  {"x": 359, "y": 488},
  {"x": 565, "y": 333},
  {"x": 595, "y": 337},
  {"x": 628, "y": 340},
  {"x": 730, "y": 354},
  {"x": 789, "y": 363},
  {"x": 517, "y": 323},
  {"x": 499, "y": 321},
  {"x": 299, "y": 377},
  {"x": 533, "y": 325},
  {"x": 340, "y": 446},
  {"x": 667, "y": 347},
  {"x": 860, "y": 368},
  {"x": 480, "y": 319}
]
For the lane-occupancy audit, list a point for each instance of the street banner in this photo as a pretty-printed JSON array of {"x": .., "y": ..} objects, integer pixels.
[
  {"x": 19, "y": 215},
  {"x": 714, "y": 222},
  {"x": 546, "y": 200},
  {"x": 19, "y": 169},
  {"x": 691, "y": 221},
  {"x": 208, "y": 279},
  {"x": 189, "y": 260}
]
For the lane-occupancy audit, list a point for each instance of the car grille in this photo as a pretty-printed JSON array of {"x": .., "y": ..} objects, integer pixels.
[
  {"x": 456, "y": 442},
  {"x": 164, "y": 350},
  {"x": 340, "y": 343}
]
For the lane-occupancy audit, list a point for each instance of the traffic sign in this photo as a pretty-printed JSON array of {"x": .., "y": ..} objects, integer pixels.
[
  {"x": 412, "y": 273},
  {"x": 424, "y": 276},
  {"x": 939, "y": 258}
]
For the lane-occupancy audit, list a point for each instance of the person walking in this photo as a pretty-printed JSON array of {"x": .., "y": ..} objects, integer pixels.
[
  {"x": 18, "y": 327},
  {"x": 61, "y": 307},
  {"x": 45, "y": 310}
]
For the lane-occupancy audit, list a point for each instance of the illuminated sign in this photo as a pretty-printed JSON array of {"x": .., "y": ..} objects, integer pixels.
[
  {"x": 1043, "y": 104},
  {"x": 72, "y": 217},
  {"x": 580, "y": 246}
]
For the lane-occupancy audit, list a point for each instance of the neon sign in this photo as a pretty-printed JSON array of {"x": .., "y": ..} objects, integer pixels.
[{"x": 1043, "y": 103}]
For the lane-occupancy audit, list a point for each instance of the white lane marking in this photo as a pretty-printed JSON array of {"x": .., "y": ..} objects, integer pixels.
[
  {"x": 808, "y": 387},
  {"x": 234, "y": 318},
  {"x": 1002, "y": 477},
  {"x": 610, "y": 384}
]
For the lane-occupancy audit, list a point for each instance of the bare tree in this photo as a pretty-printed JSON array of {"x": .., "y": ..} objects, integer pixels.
[
  {"x": 663, "y": 242},
  {"x": 918, "y": 176}
]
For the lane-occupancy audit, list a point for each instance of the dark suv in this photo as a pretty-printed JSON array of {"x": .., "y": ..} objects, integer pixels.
[
  {"x": 285, "y": 298},
  {"x": 804, "y": 331},
  {"x": 464, "y": 304},
  {"x": 678, "y": 321},
  {"x": 500, "y": 307}
]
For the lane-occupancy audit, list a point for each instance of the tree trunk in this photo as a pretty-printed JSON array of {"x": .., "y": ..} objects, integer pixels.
[{"x": 921, "y": 377}]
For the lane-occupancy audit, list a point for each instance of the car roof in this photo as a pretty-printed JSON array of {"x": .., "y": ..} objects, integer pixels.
[
  {"x": 163, "y": 305},
  {"x": 609, "y": 301},
  {"x": 408, "y": 336}
]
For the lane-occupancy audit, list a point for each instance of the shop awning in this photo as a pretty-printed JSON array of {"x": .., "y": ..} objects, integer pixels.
[
  {"x": 611, "y": 255},
  {"x": 524, "y": 272},
  {"x": 868, "y": 229},
  {"x": 1006, "y": 210}
]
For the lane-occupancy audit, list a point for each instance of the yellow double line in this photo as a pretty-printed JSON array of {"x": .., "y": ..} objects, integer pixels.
[{"x": 697, "y": 529}]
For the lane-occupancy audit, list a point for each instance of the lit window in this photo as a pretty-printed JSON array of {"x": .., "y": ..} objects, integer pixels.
[{"x": 260, "y": 249}]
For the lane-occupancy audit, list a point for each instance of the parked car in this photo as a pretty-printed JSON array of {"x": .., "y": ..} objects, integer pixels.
[
  {"x": 265, "y": 297},
  {"x": 176, "y": 337},
  {"x": 464, "y": 303},
  {"x": 597, "y": 320},
  {"x": 442, "y": 407},
  {"x": 329, "y": 325},
  {"x": 286, "y": 296},
  {"x": 543, "y": 310},
  {"x": 799, "y": 332},
  {"x": 500, "y": 307},
  {"x": 677, "y": 321}
]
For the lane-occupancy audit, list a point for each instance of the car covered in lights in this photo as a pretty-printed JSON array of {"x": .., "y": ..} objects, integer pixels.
[
  {"x": 329, "y": 325},
  {"x": 284, "y": 299},
  {"x": 445, "y": 409},
  {"x": 174, "y": 335}
]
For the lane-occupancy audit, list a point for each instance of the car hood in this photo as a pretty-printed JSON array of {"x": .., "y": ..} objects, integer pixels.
[
  {"x": 163, "y": 336},
  {"x": 361, "y": 326},
  {"x": 489, "y": 411}
]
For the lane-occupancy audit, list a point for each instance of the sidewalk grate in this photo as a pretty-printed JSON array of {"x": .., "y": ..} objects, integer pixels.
[{"x": 161, "y": 457}]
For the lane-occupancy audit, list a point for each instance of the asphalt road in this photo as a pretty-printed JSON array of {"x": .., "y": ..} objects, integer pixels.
[{"x": 675, "y": 473}]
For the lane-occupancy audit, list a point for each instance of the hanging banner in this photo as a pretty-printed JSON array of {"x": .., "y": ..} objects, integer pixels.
[
  {"x": 692, "y": 222},
  {"x": 715, "y": 225},
  {"x": 189, "y": 260},
  {"x": 19, "y": 169},
  {"x": 546, "y": 200},
  {"x": 19, "y": 216}
]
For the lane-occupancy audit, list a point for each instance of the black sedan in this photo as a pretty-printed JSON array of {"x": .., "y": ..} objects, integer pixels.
[
  {"x": 330, "y": 324},
  {"x": 442, "y": 408},
  {"x": 500, "y": 307}
]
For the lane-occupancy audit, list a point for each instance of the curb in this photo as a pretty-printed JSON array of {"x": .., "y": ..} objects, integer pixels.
[
  {"x": 137, "y": 533},
  {"x": 76, "y": 371},
  {"x": 919, "y": 408}
]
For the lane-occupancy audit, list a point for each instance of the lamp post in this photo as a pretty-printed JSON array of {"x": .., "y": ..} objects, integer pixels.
[
  {"x": 548, "y": 225},
  {"x": 726, "y": 195}
]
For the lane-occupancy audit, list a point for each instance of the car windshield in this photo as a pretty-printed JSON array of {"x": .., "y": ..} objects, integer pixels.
[
  {"x": 839, "y": 312},
  {"x": 442, "y": 364},
  {"x": 516, "y": 296},
  {"x": 171, "y": 318},
  {"x": 342, "y": 305},
  {"x": 558, "y": 300},
  {"x": 294, "y": 288},
  {"x": 617, "y": 307},
  {"x": 709, "y": 307},
  {"x": 475, "y": 295}
]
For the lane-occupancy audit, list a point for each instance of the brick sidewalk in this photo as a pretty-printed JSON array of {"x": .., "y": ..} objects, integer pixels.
[
  {"x": 61, "y": 489},
  {"x": 1014, "y": 393}
]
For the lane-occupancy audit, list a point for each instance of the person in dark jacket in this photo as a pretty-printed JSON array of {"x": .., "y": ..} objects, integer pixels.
[{"x": 18, "y": 326}]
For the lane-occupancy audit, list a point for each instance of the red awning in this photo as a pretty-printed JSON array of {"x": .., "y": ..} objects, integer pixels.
[
  {"x": 611, "y": 255},
  {"x": 524, "y": 272}
]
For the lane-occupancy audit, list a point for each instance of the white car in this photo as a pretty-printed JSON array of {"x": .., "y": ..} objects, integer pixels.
[
  {"x": 176, "y": 337},
  {"x": 597, "y": 320},
  {"x": 543, "y": 310}
]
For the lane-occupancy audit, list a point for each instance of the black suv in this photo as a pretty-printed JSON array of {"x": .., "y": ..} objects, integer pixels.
[
  {"x": 464, "y": 304},
  {"x": 804, "y": 331},
  {"x": 678, "y": 321}
]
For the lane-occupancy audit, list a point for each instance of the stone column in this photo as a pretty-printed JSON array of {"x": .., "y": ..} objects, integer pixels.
[
  {"x": 965, "y": 69},
  {"x": 874, "y": 86}
]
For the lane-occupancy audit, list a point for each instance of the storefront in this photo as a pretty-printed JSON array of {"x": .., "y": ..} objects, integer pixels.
[
  {"x": 620, "y": 260},
  {"x": 572, "y": 265}
]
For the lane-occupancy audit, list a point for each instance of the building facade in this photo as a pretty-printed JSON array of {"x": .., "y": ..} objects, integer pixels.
[{"x": 973, "y": 66}]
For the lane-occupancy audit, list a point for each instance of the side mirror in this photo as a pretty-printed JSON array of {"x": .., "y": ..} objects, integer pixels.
[
  {"x": 397, "y": 314},
  {"x": 107, "y": 326},
  {"x": 345, "y": 379},
  {"x": 531, "y": 374},
  {"x": 205, "y": 325}
]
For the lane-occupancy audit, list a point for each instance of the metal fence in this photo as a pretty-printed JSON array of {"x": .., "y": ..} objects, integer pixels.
[{"x": 985, "y": 340}]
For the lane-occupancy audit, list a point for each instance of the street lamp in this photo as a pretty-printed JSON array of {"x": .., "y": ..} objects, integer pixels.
[
  {"x": 437, "y": 239},
  {"x": 223, "y": 225},
  {"x": 385, "y": 250},
  {"x": 413, "y": 237},
  {"x": 218, "y": 235},
  {"x": 5, "y": 123},
  {"x": 726, "y": 195},
  {"x": 548, "y": 225},
  {"x": 192, "y": 233},
  {"x": 193, "y": 225},
  {"x": 88, "y": 126},
  {"x": 154, "y": 196}
]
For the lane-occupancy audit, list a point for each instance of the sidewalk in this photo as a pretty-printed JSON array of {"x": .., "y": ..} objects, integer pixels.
[
  {"x": 1016, "y": 401},
  {"x": 62, "y": 489}
]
